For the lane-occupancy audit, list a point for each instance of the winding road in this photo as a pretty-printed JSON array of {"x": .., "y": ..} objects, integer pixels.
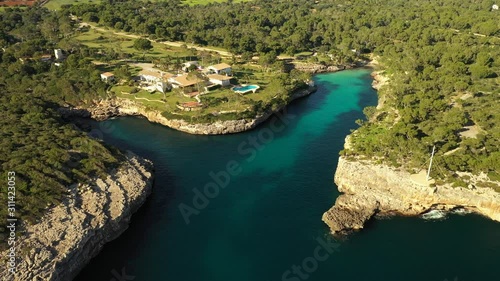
[{"x": 135, "y": 36}]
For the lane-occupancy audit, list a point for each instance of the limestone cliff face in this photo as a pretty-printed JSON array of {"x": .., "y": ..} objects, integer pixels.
[
  {"x": 370, "y": 188},
  {"x": 107, "y": 108},
  {"x": 319, "y": 68},
  {"x": 67, "y": 237}
]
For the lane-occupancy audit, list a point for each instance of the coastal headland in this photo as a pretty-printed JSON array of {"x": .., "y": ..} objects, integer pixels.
[
  {"x": 113, "y": 107},
  {"x": 372, "y": 189}
]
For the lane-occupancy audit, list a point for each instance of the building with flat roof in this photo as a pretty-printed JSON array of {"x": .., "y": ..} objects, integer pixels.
[
  {"x": 219, "y": 79},
  {"x": 221, "y": 68}
]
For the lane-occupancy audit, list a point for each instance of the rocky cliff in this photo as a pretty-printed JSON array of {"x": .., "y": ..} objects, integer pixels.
[
  {"x": 319, "y": 68},
  {"x": 69, "y": 235},
  {"x": 107, "y": 108},
  {"x": 370, "y": 189}
]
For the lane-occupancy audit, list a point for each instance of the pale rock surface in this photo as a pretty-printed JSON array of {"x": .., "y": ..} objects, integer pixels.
[
  {"x": 72, "y": 233},
  {"x": 370, "y": 189},
  {"x": 104, "y": 109}
]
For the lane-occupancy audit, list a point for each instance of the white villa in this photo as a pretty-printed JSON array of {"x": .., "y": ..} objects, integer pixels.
[
  {"x": 150, "y": 76},
  {"x": 159, "y": 79},
  {"x": 219, "y": 79},
  {"x": 221, "y": 68},
  {"x": 107, "y": 76}
]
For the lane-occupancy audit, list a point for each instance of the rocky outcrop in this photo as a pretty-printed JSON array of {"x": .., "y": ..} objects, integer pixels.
[
  {"x": 370, "y": 189},
  {"x": 375, "y": 189},
  {"x": 70, "y": 234},
  {"x": 379, "y": 79},
  {"x": 319, "y": 68},
  {"x": 108, "y": 108}
]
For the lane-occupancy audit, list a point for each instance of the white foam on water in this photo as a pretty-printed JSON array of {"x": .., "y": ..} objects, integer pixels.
[
  {"x": 434, "y": 215},
  {"x": 461, "y": 211}
]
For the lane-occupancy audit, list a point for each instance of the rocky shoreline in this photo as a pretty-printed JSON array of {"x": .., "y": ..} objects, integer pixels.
[
  {"x": 319, "y": 68},
  {"x": 74, "y": 232},
  {"x": 113, "y": 107},
  {"x": 372, "y": 189}
]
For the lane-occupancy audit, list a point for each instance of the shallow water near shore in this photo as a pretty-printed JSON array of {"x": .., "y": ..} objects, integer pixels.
[{"x": 268, "y": 217}]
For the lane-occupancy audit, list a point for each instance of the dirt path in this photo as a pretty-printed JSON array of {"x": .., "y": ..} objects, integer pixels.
[{"x": 169, "y": 43}]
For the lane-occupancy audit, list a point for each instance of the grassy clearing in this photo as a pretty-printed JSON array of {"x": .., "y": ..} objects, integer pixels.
[
  {"x": 108, "y": 40},
  {"x": 56, "y": 4}
]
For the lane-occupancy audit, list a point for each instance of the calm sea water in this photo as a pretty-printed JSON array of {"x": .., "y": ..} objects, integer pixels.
[{"x": 263, "y": 222}]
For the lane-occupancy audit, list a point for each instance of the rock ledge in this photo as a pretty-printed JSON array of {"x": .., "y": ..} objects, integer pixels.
[
  {"x": 74, "y": 232},
  {"x": 370, "y": 189}
]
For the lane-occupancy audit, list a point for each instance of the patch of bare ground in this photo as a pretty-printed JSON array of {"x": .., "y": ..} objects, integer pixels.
[{"x": 470, "y": 131}]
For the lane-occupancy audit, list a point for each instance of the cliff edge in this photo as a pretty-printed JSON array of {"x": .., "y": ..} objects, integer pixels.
[
  {"x": 112, "y": 107},
  {"x": 71, "y": 234},
  {"x": 370, "y": 189}
]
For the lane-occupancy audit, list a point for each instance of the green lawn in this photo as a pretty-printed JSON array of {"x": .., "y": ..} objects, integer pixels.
[
  {"x": 106, "y": 39},
  {"x": 154, "y": 100},
  {"x": 56, "y": 4},
  {"x": 303, "y": 54}
]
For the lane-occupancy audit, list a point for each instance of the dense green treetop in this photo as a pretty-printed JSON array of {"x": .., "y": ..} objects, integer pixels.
[{"x": 47, "y": 153}]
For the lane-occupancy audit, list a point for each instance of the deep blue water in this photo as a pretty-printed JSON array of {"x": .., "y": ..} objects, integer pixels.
[{"x": 268, "y": 217}]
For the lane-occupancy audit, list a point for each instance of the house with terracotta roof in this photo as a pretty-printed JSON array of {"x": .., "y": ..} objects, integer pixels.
[
  {"x": 182, "y": 81},
  {"x": 218, "y": 79},
  {"x": 221, "y": 68},
  {"x": 107, "y": 76},
  {"x": 188, "y": 85}
]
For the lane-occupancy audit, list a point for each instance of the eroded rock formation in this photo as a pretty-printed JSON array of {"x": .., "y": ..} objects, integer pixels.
[
  {"x": 370, "y": 189},
  {"x": 108, "y": 108},
  {"x": 70, "y": 234}
]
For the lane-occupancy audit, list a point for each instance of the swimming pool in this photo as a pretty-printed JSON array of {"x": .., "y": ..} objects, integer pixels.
[{"x": 245, "y": 89}]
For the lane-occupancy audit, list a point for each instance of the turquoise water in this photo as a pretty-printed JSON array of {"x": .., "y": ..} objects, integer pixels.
[
  {"x": 268, "y": 218},
  {"x": 245, "y": 88}
]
